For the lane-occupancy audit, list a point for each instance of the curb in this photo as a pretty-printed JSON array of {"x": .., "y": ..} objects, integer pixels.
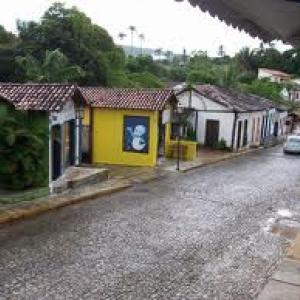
[
  {"x": 230, "y": 156},
  {"x": 53, "y": 204}
]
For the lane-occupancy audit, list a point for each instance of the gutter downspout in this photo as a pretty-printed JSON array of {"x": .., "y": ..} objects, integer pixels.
[{"x": 234, "y": 130}]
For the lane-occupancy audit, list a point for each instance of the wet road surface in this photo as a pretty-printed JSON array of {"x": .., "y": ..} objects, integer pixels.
[{"x": 199, "y": 235}]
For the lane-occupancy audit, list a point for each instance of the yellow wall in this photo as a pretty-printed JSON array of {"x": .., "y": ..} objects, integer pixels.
[
  {"x": 191, "y": 146},
  {"x": 108, "y": 138}
]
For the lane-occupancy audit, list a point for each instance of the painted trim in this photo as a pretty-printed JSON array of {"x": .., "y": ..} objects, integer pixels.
[
  {"x": 91, "y": 152},
  {"x": 50, "y": 156},
  {"x": 234, "y": 130}
]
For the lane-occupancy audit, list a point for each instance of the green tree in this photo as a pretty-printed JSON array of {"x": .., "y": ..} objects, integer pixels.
[
  {"x": 54, "y": 68},
  {"x": 23, "y": 149},
  {"x": 72, "y": 32},
  {"x": 6, "y": 37},
  {"x": 263, "y": 88},
  {"x": 247, "y": 60},
  {"x": 202, "y": 76},
  {"x": 8, "y": 42},
  {"x": 145, "y": 80},
  {"x": 132, "y": 30}
]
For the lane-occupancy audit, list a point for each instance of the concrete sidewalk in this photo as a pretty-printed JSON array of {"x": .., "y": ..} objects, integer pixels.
[
  {"x": 285, "y": 283},
  {"x": 204, "y": 157}
]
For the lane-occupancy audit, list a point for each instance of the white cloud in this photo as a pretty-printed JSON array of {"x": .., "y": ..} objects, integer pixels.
[{"x": 166, "y": 24}]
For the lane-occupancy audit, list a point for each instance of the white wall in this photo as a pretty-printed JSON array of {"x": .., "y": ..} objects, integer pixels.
[
  {"x": 208, "y": 110},
  {"x": 66, "y": 114},
  {"x": 262, "y": 73},
  {"x": 198, "y": 102},
  {"x": 253, "y": 130},
  {"x": 225, "y": 121},
  {"x": 59, "y": 118}
]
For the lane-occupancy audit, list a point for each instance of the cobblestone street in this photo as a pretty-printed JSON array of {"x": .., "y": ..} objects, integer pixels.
[{"x": 198, "y": 235}]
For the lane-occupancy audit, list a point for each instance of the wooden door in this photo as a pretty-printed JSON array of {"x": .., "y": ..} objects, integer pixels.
[
  {"x": 239, "y": 134},
  {"x": 56, "y": 151},
  {"x": 245, "y": 137},
  {"x": 212, "y": 133}
]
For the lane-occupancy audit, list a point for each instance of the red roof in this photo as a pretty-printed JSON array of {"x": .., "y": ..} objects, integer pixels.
[
  {"x": 144, "y": 99},
  {"x": 42, "y": 97},
  {"x": 233, "y": 99},
  {"x": 276, "y": 72}
]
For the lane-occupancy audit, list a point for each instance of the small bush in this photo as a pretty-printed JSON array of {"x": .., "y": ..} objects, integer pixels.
[
  {"x": 221, "y": 145},
  {"x": 191, "y": 134},
  {"x": 23, "y": 149}
]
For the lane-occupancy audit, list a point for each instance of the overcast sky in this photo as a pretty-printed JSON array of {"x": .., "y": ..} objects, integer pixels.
[{"x": 166, "y": 24}]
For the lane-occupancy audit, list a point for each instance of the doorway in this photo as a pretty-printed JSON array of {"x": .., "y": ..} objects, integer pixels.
[
  {"x": 69, "y": 143},
  {"x": 239, "y": 134},
  {"x": 56, "y": 151},
  {"x": 245, "y": 136},
  {"x": 161, "y": 137},
  {"x": 212, "y": 133},
  {"x": 276, "y": 127}
]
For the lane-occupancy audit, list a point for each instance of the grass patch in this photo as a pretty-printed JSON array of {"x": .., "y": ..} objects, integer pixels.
[{"x": 24, "y": 196}]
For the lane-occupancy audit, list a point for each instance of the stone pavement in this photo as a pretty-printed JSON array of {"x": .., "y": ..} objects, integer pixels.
[
  {"x": 166, "y": 166},
  {"x": 285, "y": 283},
  {"x": 204, "y": 157},
  {"x": 36, "y": 207},
  {"x": 120, "y": 177},
  {"x": 193, "y": 236}
]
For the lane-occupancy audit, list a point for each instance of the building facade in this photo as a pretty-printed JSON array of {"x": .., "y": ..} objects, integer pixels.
[
  {"x": 223, "y": 115},
  {"x": 61, "y": 105},
  {"x": 128, "y": 125},
  {"x": 274, "y": 75}
]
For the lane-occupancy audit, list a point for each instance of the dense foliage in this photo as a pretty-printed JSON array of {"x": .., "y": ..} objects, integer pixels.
[
  {"x": 23, "y": 149},
  {"x": 65, "y": 46}
]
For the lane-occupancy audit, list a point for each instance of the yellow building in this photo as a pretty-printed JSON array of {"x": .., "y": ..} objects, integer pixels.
[{"x": 128, "y": 126}]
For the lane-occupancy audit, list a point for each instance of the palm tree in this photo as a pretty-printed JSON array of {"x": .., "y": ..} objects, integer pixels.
[
  {"x": 54, "y": 68},
  {"x": 158, "y": 52},
  {"x": 142, "y": 39},
  {"x": 122, "y": 36},
  {"x": 246, "y": 60},
  {"x": 169, "y": 55},
  {"x": 132, "y": 31},
  {"x": 221, "y": 51}
]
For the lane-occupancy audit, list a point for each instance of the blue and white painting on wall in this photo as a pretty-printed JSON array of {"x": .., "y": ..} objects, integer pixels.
[{"x": 136, "y": 134}]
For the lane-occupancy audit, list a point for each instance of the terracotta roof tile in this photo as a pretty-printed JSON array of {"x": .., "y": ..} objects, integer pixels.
[
  {"x": 276, "y": 72},
  {"x": 43, "y": 97},
  {"x": 233, "y": 99},
  {"x": 143, "y": 99}
]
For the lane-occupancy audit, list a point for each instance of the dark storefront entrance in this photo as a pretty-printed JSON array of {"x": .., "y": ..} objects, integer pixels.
[{"x": 212, "y": 133}]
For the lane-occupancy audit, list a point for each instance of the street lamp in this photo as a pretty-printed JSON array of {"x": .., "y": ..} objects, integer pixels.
[{"x": 79, "y": 113}]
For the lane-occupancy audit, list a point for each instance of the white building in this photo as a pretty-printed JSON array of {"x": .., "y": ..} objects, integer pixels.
[
  {"x": 62, "y": 107},
  {"x": 295, "y": 95},
  {"x": 221, "y": 114},
  {"x": 274, "y": 75}
]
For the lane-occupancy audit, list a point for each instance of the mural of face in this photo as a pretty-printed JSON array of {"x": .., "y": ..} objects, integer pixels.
[
  {"x": 139, "y": 131},
  {"x": 138, "y": 142},
  {"x": 136, "y": 137}
]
